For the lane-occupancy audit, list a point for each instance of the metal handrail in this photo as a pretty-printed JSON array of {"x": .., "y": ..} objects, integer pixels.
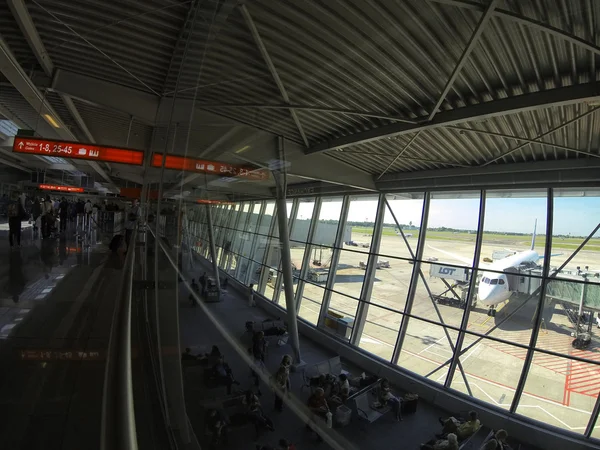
[{"x": 118, "y": 430}]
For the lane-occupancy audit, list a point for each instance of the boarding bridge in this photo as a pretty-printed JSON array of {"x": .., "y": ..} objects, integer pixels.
[{"x": 456, "y": 280}]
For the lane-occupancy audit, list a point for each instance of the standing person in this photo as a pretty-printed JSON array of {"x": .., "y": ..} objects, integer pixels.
[
  {"x": 36, "y": 211},
  {"x": 87, "y": 209},
  {"x": 251, "y": 301},
  {"x": 132, "y": 221},
  {"x": 258, "y": 355},
  {"x": 281, "y": 380},
  {"x": 15, "y": 212},
  {"x": 47, "y": 217},
  {"x": 63, "y": 210},
  {"x": 202, "y": 281}
]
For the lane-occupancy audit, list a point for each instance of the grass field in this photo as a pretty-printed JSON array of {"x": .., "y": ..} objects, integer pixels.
[{"x": 500, "y": 239}]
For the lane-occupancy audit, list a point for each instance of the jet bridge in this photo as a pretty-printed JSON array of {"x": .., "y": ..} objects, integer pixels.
[{"x": 456, "y": 280}]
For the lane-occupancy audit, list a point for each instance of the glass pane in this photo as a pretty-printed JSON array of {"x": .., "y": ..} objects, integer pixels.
[
  {"x": 271, "y": 283},
  {"x": 350, "y": 275},
  {"x": 480, "y": 360},
  {"x": 426, "y": 347},
  {"x": 441, "y": 293},
  {"x": 509, "y": 243},
  {"x": 391, "y": 283},
  {"x": 310, "y": 305},
  {"x": 560, "y": 391},
  {"x": 380, "y": 332},
  {"x": 297, "y": 251},
  {"x": 341, "y": 314},
  {"x": 253, "y": 219},
  {"x": 361, "y": 216},
  {"x": 576, "y": 214},
  {"x": 452, "y": 228},
  {"x": 407, "y": 209},
  {"x": 329, "y": 218},
  {"x": 511, "y": 319},
  {"x": 265, "y": 224},
  {"x": 303, "y": 220},
  {"x": 569, "y": 312}
]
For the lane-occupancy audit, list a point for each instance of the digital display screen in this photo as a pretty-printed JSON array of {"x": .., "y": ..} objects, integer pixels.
[{"x": 77, "y": 150}]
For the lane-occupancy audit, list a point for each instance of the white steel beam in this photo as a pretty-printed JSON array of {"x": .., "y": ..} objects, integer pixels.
[
  {"x": 506, "y": 106},
  {"x": 483, "y": 21},
  {"x": 269, "y": 62}
]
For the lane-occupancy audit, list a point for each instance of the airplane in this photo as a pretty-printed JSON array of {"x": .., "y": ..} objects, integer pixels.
[{"x": 493, "y": 287}]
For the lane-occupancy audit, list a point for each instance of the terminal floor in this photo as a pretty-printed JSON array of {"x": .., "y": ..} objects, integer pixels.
[
  {"x": 199, "y": 333},
  {"x": 56, "y": 304}
]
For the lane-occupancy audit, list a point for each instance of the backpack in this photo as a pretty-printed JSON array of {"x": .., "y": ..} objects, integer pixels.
[{"x": 13, "y": 210}]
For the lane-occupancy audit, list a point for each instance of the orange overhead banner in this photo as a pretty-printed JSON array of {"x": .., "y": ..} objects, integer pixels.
[
  {"x": 130, "y": 192},
  {"x": 77, "y": 150},
  {"x": 177, "y": 162},
  {"x": 54, "y": 187}
]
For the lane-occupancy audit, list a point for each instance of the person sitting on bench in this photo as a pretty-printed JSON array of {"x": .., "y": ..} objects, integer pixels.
[
  {"x": 256, "y": 414},
  {"x": 223, "y": 375},
  {"x": 188, "y": 356},
  {"x": 317, "y": 404},
  {"x": 387, "y": 398},
  {"x": 450, "y": 443},
  {"x": 217, "y": 425},
  {"x": 463, "y": 429}
]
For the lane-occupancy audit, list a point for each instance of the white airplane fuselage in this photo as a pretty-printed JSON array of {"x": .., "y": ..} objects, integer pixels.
[{"x": 493, "y": 286}]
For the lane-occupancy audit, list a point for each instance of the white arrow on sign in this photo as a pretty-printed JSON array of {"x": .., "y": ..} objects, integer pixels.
[{"x": 20, "y": 145}]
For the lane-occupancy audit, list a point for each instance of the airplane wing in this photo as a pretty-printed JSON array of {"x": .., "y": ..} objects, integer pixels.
[
  {"x": 552, "y": 254},
  {"x": 467, "y": 261}
]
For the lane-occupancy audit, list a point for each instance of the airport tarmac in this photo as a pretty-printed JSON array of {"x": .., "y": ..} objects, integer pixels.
[{"x": 558, "y": 391}]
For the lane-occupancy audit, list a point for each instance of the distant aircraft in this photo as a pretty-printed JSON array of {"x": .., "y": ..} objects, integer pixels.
[{"x": 493, "y": 286}]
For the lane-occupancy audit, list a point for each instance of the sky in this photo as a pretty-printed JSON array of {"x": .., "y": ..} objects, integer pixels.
[{"x": 572, "y": 215}]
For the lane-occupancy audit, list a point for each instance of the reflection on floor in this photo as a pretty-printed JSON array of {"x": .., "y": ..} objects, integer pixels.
[{"x": 56, "y": 304}]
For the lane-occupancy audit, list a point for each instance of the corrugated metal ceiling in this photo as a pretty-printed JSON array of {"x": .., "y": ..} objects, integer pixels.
[{"x": 385, "y": 58}]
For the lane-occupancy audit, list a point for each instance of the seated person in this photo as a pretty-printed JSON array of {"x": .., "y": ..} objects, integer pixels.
[
  {"x": 188, "y": 356},
  {"x": 463, "y": 429},
  {"x": 317, "y": 404},
  {"x": 256, "y": 414},
  {"x": 450, "y": 443},
  {"x": 386, "y": 397},
  {"x": 222, "y": 373},
  {"x": 498, "y": 442},
  {"x": 340, "y": 391},
  {"x": 217, "y": 425}
]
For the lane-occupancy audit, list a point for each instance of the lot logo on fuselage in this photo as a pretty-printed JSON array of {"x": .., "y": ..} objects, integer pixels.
[{"x": 447, "y": 270}]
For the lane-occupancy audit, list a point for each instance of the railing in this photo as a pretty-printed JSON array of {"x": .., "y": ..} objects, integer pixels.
[{"x": 118, "y": 430}]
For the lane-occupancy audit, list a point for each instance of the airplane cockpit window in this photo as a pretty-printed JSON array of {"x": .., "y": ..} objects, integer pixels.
[
  {"x": 486, "y": 280},
  {"x": 501, "y": 281},
  {"x": 494, "y": 281}
]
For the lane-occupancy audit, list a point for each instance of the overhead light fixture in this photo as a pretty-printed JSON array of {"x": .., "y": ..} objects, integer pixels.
[
  {"x": 243, "y": 149},
  {"x": 51, "y": 120}
]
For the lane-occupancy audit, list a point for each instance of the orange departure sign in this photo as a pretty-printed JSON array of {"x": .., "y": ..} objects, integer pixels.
[
  {"x": 54, "y": 187},
  {"x": 177, "y": 162},
  {"x": 213, "y": 202},
  {"x": 77, "y": 150}
]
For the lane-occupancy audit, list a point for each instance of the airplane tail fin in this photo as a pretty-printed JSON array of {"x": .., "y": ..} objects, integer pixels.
[{"x": 534, "y": 235}]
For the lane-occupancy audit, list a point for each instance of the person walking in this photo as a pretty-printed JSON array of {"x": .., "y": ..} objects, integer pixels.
[
  {"x": 47, "y": 217},
  {"x": 132, "y": 220},
  {"x": 63, "y": 210},
  {"x": 15, "y": 212},
  {"x": 36, "y": 212},
  {"x": 281, "y": 383}
]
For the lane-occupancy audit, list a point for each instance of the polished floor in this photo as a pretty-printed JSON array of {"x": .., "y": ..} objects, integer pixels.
[{"x": 56, "y": 304}]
